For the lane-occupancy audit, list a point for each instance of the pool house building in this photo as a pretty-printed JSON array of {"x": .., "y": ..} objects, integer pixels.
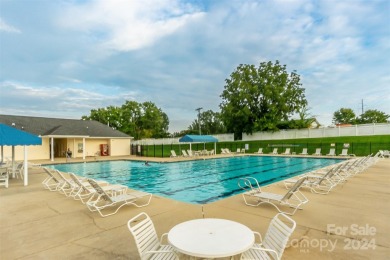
[{"x": 83, "y": 138}]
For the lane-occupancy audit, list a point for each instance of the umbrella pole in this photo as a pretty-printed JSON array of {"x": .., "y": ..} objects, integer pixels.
[
  {"x": 25, "y": 168},
  {"x": 13, "y": 162}
]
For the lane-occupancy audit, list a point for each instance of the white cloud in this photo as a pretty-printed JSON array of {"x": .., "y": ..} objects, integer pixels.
[
  {"x": 178, "y": 54},
  {"x": 69, "y": 101},
  {"x": 8, "y": 28},
  {"x": 129, "y": 25}
]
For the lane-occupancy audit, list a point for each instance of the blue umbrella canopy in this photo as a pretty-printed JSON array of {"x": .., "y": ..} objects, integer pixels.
[
  {"x": 198, "y": 138},
  {"x": 12, "y": 136}
]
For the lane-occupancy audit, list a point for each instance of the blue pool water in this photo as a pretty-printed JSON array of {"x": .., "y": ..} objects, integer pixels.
[{"x": 199, "y": 181}]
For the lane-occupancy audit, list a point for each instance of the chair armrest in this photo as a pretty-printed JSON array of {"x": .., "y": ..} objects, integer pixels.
[
  {"x": 161, "y": 252},
  {"x": 162, "y": 238},
  {"x": 249, "y": 184},
  {"x": 273, "y": 252},
  {"x": 258, "y": 235}
]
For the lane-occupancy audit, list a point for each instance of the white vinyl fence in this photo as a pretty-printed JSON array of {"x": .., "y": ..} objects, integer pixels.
[
  {"x": 355, "y": 130},
  {"x": 221, "y": 138}
]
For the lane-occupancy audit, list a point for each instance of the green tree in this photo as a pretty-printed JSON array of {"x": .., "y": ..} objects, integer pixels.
[
  {"x": 144, "y": 120},
  {"x": 344, "y": 116},
  {"x": 256, "y": 99},
  {"x": 210, "y": 123},
  {"x": 183, "y": 133},
  {"x": 154, "y": 121},
  {"x": 131, "y": 114},
  {"x": 373, "y": 116}
]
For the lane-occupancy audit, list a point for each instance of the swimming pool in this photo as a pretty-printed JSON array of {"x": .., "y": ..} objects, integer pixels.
[{"x": 198, "y": 181}]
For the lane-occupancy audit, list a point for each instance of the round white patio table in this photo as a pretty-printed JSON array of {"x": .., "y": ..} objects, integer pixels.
[{"x": 211, "y": 238}]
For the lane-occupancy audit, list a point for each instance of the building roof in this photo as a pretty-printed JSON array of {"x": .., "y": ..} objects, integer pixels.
[
  {"x": 61, "y": 127},
  {"x": 198, "y": 138}
]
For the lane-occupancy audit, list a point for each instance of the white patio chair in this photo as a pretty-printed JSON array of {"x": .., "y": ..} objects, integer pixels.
[
  {"x": 4, "y": 177},
  {"x": 145, "y": 236},
  {"x": 292, "y": 198},
  {"x": 318, "y": 152},
  {"x": 18, "y": 169},
  {"x": 275, "y": 151},
  {"x": 304, "y": 151},
  {"x": 287, "y": 152},
  {"x": 275, "y": 240},
  {"x": 106, "y": 201},
  {"x": 190, "y": 154}
]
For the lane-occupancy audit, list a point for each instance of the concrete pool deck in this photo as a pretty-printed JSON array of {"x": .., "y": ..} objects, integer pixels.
[{"x": 38, "y": 224}]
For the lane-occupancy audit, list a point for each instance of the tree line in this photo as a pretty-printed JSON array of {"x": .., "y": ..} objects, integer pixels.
[
  {"x": 263, "y": 98},
  {"x": 347, "y": 116}
]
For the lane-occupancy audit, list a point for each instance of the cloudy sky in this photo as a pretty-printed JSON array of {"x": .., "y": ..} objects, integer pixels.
[{"x": 63, "y": 58}]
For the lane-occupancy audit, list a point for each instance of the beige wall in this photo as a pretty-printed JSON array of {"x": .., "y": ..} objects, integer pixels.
[
  {"x": 93, "y": 146},
  {"x": 34, "y": 152},
  {"x": 117, "y": 147}
]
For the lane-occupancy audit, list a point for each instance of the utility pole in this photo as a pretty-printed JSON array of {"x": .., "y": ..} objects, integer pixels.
[
  {"x": 198, "y": 109},
  {"x": 362, "y": 107}
]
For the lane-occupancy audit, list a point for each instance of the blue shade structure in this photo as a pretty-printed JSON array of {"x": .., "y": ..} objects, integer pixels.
[
  {"x": 13, "y": 137},
  {"x": 198, "y": 139}
]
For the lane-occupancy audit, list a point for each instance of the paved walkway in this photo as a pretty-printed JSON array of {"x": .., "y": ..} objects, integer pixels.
[{"x": 39, "y": 224}]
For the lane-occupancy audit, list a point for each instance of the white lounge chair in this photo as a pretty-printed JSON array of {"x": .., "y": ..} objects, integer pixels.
[
  {"x": 287, "y": 152},
  {"x": 145, "y": 236},
  {"x": 51, "y": 183},
  {"x": 105, "y": 201},
  {"x": 321, "y": 184},
  {"x": 173, "y": 153},
  {"x": 292, "y": 198},
  {"x": 318, "y": 152},
  {"x": 260, "y": 151},
  {"x": 190, "y": 154},
  {"x": 184, "y": 153},
  {"x": 304, "y": 151},
  {"x": 69, "y": 187},
  {"x": 275, "y": 240},
  {"x": 332, "y": 152},
  {"x": 83, "y": 191},
  {"x": 275, "y": 151},
  {"x": 344, "y": 152}
]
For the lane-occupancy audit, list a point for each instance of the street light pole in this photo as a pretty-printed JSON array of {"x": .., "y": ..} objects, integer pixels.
[{"x": 198, "y": 109}]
